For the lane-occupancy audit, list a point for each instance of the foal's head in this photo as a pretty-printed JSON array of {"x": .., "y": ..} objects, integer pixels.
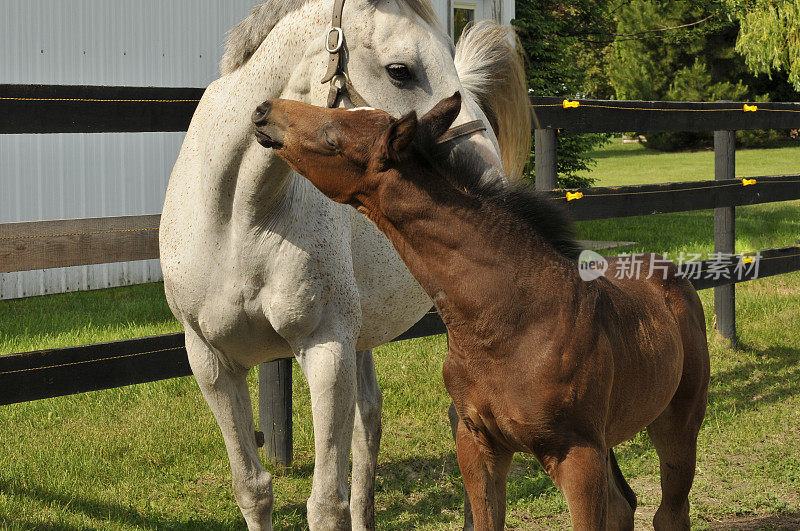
[{"x": 346, "y": 152}]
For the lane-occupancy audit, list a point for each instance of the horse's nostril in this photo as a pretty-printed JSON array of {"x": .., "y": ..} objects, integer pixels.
[{"x": 261, "y": 112}]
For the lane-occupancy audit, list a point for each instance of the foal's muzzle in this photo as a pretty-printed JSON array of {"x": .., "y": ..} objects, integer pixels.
[{"x": 268, "y": 133}]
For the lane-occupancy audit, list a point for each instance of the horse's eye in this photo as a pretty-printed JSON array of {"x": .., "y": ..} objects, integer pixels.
[{"x": 398, "y": 72}]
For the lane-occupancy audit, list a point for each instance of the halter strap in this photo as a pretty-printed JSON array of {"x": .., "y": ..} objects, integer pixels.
[
  {"x": 461, "y": 130},
  {"x": 341, "y": 84},
  {"x": 334, "y": 48}
]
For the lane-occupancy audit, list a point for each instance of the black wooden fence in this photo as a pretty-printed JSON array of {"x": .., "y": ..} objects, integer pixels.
[{"x": 69, "y": 109}]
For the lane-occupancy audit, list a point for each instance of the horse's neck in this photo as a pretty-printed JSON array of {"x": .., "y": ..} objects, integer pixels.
[
  {"x": 462, "y": 253},
  {"x": 244, "y": 181}
]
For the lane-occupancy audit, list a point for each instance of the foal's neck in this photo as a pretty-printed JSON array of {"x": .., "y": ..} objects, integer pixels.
[{"x": 476, "y": 261}]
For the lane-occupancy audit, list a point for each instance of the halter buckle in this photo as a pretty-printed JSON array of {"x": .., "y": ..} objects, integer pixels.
[{"x": 339, "y": 40}]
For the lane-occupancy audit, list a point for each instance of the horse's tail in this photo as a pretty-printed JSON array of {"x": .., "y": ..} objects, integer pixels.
[
  {"x": 622, "y": 485},
  {"x": 490, "y": 65}
]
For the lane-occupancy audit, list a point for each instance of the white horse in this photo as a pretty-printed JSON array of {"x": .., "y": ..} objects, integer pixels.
[{"x": 258, "y": 265}]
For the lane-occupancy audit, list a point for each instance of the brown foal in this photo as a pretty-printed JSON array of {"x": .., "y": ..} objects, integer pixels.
[{"x": 539, "y": 360}]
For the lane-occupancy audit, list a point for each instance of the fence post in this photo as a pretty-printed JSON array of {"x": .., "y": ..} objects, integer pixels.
[
  {"x": 275, "y": 409},
  {"x": 724, "y": 234},
  {"x": 546, "y": 158}
]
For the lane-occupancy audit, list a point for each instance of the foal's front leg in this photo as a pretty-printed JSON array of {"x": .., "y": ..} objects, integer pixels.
[
  {"x": 328, "y": 360},
  {"x": 582, "y": 477},
  {"x": 469, "y": 525},
  {"x": 484, "y": 468}
]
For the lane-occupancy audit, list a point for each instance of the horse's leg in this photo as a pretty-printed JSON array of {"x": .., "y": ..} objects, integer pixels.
[
  {"x": 468, "y": 523},
  {"x": 674, "y": 432},
  {"x": 621, "y": 499},
  {"x": 583, "y": 478},
  {"x": 366, "y": 442},
  {"x": 328, "y": 361},
  {"x": 225, "y": 389},
  {"x": 484, "y": 469},
  {"x": 674, "y": 435}
]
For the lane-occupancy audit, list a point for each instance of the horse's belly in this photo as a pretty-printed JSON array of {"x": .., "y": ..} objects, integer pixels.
[{"x": 649, "y": 381}]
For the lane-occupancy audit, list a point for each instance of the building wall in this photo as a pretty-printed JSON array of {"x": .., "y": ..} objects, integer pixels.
[{"x": 175, "y": 43}]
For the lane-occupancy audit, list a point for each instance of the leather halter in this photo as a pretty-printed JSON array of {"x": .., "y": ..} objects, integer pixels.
[{"x": 342, "y": 86}]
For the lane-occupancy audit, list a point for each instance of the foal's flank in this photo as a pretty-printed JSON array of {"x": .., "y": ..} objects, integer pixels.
[{"x": 539, "y": 361}]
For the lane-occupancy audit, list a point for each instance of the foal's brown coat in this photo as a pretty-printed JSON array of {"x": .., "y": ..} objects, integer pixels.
[{"x": 539, "y": 361}]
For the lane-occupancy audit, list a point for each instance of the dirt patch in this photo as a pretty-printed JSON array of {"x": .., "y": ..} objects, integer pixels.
[{"x": 773, "y": 522}]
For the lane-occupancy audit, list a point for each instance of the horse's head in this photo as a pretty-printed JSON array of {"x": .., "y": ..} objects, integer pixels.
[
  {"x": 395, "y": 55},
  {"x": 346, "y": 152},
  {"x": 398, "y": 58}
]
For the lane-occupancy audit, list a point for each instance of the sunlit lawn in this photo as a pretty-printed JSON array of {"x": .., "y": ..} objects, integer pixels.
[{"x": 150, "y": 456}]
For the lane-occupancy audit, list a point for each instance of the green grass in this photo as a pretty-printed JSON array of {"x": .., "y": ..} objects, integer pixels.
[
  {"x": 151, "y": 457},
  {"x": 624, "y": 164},
  {"x": 80, "y": 318}
]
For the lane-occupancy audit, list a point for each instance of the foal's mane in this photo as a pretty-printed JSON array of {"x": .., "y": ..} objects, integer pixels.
[
  {"x": 537, "y": 212},
  {"x": 245, "y": 38},
  {"x": 533, "y": 210}
]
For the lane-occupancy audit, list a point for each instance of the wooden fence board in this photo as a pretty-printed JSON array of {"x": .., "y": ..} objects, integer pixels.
[
  {"x": 72, "y": 242},
  {"x": 62, "y": 243},
  {"x": 771, "y": 262},
  {"x": 106, "y": 109},
  {"x": 602, "y": 116},
  {"x": 95, "y": 109},
  {"x": 639, "y": 200},
  {"x": 65, "y": 371},
  {"x": 58, "y": 372}
]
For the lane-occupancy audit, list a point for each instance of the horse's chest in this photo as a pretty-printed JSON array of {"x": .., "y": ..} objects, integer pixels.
[{"x": 232, "y": 319}]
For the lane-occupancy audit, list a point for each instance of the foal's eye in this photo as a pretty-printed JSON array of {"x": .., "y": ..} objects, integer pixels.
[
  {"x": 399, "y": 72},
  {"x": 330, "y": 136}
]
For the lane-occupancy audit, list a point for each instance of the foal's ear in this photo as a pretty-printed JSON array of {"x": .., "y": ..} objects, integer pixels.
[
  {"x": 438, "y": 120},
  {"x": 398, "y": 136}
]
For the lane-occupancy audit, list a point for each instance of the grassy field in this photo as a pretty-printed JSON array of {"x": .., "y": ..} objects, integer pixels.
[{"x": 150, "y": 456}]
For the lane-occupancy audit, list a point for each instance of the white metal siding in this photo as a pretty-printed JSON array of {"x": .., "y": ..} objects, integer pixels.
[
  {"x": 174, "y": 43},
  {"x": 167, "y": 43}
]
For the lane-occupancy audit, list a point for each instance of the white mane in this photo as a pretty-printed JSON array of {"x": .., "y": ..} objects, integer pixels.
[
  {"x": 245, "y": 38},
  {"x": 491, "y": 68}
]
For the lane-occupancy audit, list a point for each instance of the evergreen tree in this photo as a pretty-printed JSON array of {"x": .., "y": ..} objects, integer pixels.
[
  {"x": 683, "y": 50},
  {"x": 551, "y": 33}
]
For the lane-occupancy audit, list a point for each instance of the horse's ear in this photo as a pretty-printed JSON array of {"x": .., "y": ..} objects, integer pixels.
[
  {"x": 399, "y": 136},
  {"x": 438, "y": 120}
]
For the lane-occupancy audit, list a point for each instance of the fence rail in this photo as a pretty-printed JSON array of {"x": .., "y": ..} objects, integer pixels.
[
  {"x": 64, "y": 371},
  {"x": 89, "y": 109},
  {"x": 63, "y": 243},
  {"x": 74, "y": 242},
  {"x": 92, "y": 109},
  {"x": 639, "y": 200},
  {"x": 602, "y": 116}
]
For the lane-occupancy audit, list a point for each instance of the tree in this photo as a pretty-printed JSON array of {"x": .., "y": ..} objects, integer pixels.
[
  {"x": 551, "y": 33},
  {"x": 769, "y": 38},
  {"x": 683, "y": 50}
]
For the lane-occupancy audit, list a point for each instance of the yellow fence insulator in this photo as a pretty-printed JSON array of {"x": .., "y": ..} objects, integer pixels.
[{"x": 571, "y": 196}]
